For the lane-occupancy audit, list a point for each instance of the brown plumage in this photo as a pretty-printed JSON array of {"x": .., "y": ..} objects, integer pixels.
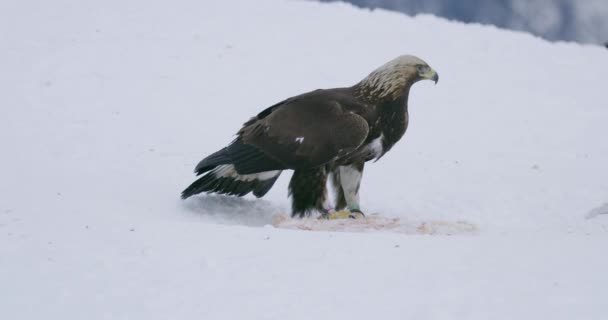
[{"x": 324, "y": 132}]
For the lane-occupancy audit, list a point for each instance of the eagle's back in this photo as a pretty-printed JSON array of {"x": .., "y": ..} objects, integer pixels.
[{"x": 310, "y": 129}]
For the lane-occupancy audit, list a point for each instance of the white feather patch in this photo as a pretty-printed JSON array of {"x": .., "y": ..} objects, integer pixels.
[
  {"x": 375, "y": 147},
  {"x": 228, "y": 171}
]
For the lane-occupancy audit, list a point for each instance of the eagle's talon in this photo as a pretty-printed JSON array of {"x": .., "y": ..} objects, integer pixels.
[
  {"x": 356, "y": 214},
  {"x": 326, "y": 213},
  {"x": 324, "y": 216}
]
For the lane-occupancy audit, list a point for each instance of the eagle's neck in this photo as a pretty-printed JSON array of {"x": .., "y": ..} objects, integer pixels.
[
  {"x": 382, "y": 90},
  {"x": 383, "y": 103},
  {"x": 392, "y": 120},
  {"x": 400, "y": 103}
]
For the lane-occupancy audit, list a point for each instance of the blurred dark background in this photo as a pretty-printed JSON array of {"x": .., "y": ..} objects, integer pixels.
[{"x": 584, "y": 21}]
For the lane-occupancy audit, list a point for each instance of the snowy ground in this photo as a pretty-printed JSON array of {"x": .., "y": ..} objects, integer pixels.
[{"x": 106, "y": 107}]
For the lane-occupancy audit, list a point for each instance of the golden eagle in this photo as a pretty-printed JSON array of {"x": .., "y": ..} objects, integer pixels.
[{"x": 319, "y": 134}]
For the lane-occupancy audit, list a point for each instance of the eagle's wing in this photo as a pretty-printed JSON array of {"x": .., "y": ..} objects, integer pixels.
[{"x": 304, "y": 132}]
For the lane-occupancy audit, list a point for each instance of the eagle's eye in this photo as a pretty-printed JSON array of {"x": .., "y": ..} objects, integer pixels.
[{"x": 422, "y": 69}]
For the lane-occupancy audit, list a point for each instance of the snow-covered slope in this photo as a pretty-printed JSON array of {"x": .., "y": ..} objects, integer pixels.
[{"x": 106, "y": 107}]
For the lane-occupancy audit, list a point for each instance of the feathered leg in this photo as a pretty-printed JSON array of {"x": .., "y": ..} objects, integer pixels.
[
  {"x": 346, "y": 181},
  {"x": 350, "y": 178},
  {"x": 308, "y": 191},
  {"x": 338, "y": 191}
]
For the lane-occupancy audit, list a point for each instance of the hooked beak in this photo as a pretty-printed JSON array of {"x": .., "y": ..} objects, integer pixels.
[{"x": 431, "y": 75}]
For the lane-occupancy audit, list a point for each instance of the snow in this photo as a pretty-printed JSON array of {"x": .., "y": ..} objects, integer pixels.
[{"x": 106, "y": 107}]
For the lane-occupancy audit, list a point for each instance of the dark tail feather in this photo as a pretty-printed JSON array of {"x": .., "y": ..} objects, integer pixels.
[
  {"x": 212, "y": 161},
  {"x": 245, "y": 159},
  {"x": 263, "y": 186},
  {"x": 204, "y": 183},
  {"x": 209, "y": 182},
  {"x": 228, "y": 185}
]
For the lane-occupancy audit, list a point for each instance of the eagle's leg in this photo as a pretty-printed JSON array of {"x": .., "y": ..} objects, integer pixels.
[
  {"x": 338, "y": 191},
  {"x": 346, "y": 181},
  {"x": 350, "y": 179},
  {"x": 308, "y": 191}
]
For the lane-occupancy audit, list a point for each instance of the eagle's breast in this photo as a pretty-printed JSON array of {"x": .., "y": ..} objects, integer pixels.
[{"x": 390, "y": 126}]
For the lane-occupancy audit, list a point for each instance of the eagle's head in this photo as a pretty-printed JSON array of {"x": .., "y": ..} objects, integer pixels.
[{"x": 394, "y": 78}]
